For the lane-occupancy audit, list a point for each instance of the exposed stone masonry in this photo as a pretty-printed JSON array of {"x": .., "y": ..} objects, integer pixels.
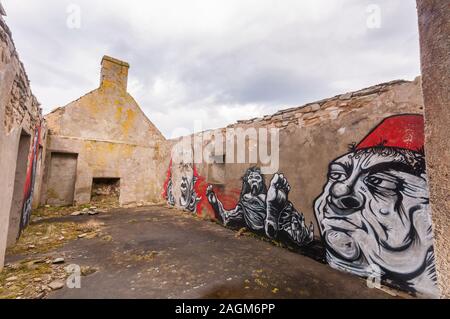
[
  {"x": 22, "y": 106},
  {"x": 326, "y": 109}
]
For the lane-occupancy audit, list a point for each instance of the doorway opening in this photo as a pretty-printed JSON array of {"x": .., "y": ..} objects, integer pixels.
[
  {"x": 105, "y": 190},
  {"x": 19, "y": 183},
  {"x": 61, "y": 184}
]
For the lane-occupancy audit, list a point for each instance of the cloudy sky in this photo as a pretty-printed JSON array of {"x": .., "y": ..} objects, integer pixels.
[{"x": 215, "y": 61}]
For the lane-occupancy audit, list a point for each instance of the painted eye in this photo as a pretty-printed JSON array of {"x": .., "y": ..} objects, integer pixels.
[
  {"x": 380, "y": 182},
  {"x": 336, "y": 176},
  {"x": 374, "y": 180}
]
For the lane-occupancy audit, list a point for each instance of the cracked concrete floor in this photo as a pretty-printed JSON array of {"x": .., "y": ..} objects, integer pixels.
[{"x": 157, "y": 252}]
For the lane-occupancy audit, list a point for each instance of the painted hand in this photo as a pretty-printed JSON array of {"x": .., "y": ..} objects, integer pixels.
[{"x": 276, "y": 200}]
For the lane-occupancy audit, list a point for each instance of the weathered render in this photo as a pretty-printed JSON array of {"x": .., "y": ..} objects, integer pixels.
[
  {"x": 434, "y": 27},
  {"x": 21, "y": 129},
  {"x": 103, "y": 134}
]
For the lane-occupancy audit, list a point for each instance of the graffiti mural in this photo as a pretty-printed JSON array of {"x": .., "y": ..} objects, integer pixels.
[
  {"x": 187, "y": 184},
  {"x": 168, "y": 187},
  {"x": 189, "y": 198},
  {"x": 30, "y": 180},
  {"x": 373, "y": 212},
  {"x": 265, "y": 211}
]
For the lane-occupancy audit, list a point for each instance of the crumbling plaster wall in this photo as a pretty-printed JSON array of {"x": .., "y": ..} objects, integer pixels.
[
  {"x": 19, "y": 113},
  {"x": 135, "y": 165},
  {"x": 311, "y": 138}
]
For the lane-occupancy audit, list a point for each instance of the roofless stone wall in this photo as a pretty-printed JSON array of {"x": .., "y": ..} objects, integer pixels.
[
  {"x": 21, "y": 131},
  {"x": 349, "y": 188},
  {"x": 326, "y": 109}
]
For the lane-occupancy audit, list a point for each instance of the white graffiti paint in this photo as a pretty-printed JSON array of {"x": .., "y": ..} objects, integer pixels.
[
  {"x": 265, "y": 210},
  {"x": 374, "y": 210}
]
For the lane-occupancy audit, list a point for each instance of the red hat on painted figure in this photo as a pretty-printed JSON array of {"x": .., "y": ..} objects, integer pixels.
[{"x": 399, "y": 131}]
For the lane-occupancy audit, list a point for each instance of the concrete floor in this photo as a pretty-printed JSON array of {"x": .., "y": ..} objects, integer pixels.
[{"x": 157, "y": 252}]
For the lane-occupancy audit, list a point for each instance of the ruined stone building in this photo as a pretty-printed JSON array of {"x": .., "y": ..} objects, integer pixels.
[
  {"x": 350, "y": 186},
  {"x": 102, "y": 138}
]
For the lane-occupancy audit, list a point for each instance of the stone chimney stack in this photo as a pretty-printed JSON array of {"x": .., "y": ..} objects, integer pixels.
[{"x": 114, "y": 74}]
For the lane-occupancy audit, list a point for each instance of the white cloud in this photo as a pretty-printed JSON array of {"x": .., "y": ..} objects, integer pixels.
[{"x": 217, "y": 61}]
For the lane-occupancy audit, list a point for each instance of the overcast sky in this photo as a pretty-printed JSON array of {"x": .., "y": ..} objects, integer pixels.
[{"x": 215, "y": 61}]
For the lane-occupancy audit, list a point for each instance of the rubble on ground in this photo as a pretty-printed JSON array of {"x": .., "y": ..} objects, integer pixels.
[
  {"x": 48, "y": 211},
  {"x": 37, "y": 268}
]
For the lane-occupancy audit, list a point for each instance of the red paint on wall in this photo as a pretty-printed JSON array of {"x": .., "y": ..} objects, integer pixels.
[
  {"x": 400, "y": 131},
  {"x": 200, "y": 188},
  {"x": 30, "y": 179},
  {"x": 166, "y": 182},
  {"x": 229, "y": 198},
  {"x": 32, "y": 156}
]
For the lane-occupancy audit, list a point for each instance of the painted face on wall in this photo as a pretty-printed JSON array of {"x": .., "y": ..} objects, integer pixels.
[
  {"x": 374, "y": 210},
  {"x": 181, "y": 187},
  {"x": 265, "y": 210},
  {"x": 255, "y": 181},
  {"x": 185, "y": 182}
]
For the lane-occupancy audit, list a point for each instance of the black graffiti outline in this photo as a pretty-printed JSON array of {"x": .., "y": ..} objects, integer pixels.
[
  {"x": 412, "y": 163},
  {"x": 188, "y": 193},
  {"x": 265, "y": 210}
]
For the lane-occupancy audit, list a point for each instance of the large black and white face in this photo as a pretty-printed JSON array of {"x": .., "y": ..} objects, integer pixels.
[
  {"x": 184, "y": 187},
  {"x": 186, "y": 182},
  {"x": 374, "y": 210}
]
